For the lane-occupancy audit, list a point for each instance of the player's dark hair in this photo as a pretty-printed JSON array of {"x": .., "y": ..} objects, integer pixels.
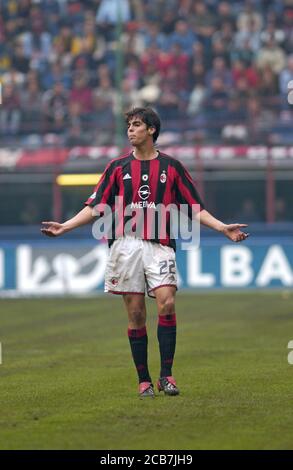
[{"x": 148, "y": 116}]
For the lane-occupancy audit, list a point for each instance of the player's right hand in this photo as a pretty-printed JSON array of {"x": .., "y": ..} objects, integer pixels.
[{"x": 52, "y": 229}]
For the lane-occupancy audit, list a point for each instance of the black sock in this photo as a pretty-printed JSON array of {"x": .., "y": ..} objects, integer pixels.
[
  {"x": 139, "y": 347},
  {"x": 167, "y": 342}
]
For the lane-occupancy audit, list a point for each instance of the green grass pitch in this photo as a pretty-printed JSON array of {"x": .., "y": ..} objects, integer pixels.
[{"x": 67, "y": 380}]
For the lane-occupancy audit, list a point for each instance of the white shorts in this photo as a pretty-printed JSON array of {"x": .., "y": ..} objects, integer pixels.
[{"x": 137, "y": 266}]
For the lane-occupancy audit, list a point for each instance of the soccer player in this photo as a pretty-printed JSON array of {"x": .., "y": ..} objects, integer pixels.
[{"x": 142, "y": 259}]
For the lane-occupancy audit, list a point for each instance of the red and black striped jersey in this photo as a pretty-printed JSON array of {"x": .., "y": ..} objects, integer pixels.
[{"x": 143, "y": 186}]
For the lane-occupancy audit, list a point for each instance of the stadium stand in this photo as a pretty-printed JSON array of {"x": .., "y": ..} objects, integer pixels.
[{"x": 217, "y": 71}]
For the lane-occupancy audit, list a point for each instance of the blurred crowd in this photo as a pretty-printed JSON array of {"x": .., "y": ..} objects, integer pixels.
[{"x": 216, "y": 71}]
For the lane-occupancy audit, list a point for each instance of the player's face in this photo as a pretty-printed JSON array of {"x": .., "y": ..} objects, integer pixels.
[{"x": 137, "y": 132}]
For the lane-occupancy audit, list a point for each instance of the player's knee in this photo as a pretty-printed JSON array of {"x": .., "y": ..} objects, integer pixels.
[
  {"x": 167, "y": 306},
  {"x": 136, "y": 318}
]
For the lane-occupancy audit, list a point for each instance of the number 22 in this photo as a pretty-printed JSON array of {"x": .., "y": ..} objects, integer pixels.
[{"x": 164, "y": 266}]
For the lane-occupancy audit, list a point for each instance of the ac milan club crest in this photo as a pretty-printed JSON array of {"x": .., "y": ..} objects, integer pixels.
[{"x": 163, "y": 177}]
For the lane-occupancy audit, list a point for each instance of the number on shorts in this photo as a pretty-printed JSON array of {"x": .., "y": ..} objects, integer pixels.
[
  {"x": 172, "y": 266},
  {"x": 164, "y": 266}
]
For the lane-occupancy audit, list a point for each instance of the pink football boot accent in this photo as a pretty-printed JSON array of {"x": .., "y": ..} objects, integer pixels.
[
  {"x": 168, "y": 385},
  {"x": 146, "y": 389}
]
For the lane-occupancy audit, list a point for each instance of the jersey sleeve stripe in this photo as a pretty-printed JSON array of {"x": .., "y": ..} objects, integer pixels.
[
  {"x": 186, "y": 192},
  {"x": 105, "y": 189}
]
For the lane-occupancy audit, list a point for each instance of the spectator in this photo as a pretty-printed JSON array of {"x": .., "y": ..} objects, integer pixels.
[
  {"x": 244, "y": 53},
  {"x": 84, "y": 60},
  {"x": 287, "y": 27},
  {"x": 198, "y": 74},
  {"x": 269, "y": 87},
  {"x": 196, "y": 99},
  {"x": 236, "y": 113},
  {"x": 217, "y": 98},
  {"x": 224, "y": 15},
  {"x": 219, "y": 50},
  {"x": 104, "y": 96},
  {"x": 54, "y": 74},
  {"x": 65, "y": 39},
  {"x": 101, "y": 72},
  {"x": 132, "y": 72},
  {"x": 242, "y": 90},
  {"x": 37, "y": 42},
  {"x": 178, "y": 59},
  {"x": 112, "y": 11},
  {"x": 168, "y": 21},
  {"x": 75, "y": 14},
  {"x": 219, "y": 70},
  {"x": 168, "y": 102},
  {"x": 286, "y": 76},
  {"x": 31, "y": 105},
  {"x": 151, "y": 62},
  {"x": 19, "y": 61},
  {"x": 249, "y": 16},
  {"x": 55, "y": 108},
  {"x": 23, "y": 14},
  {"x": 250, "y": 74},
  {"x": 250, "y": 33},
  {"x": 271, "y": 31},
  {"x": 5, "y": 54},
  {"x": 128, "y": 97},
  {"x": 87, "y": 42},
  {"x": 183, "y": 37},
  {"x": 234, "y": 131},
  {"x": 75, "y": 136},
  {"x": 10, "y": 110},
  {"x": 133, "y": 39},
  {"x": 109, "y": 13},
  {"x": 271, "y": 55},
  {"x": 198, "y": 55},
  {"x": 202, "y": 22},
  {"x": 225, "y": 34},
  {"x": 153, "y": 35},
  {"x": 11, "y": 30},
  {"x": 81, "y": 93},
  {"x": 259, "y": 122}
]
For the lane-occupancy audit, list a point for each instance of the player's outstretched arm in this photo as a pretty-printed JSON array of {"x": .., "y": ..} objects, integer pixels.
[
  {"x": 54, "y": 229},
  {"x": 231, "y": 231}
]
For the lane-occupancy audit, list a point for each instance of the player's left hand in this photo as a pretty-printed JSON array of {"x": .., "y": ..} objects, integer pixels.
[{"x": 234, "y": 233}]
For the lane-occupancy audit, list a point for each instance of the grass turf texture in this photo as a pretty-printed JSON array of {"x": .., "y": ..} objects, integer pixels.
[{"x": 68, "y": 381}]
